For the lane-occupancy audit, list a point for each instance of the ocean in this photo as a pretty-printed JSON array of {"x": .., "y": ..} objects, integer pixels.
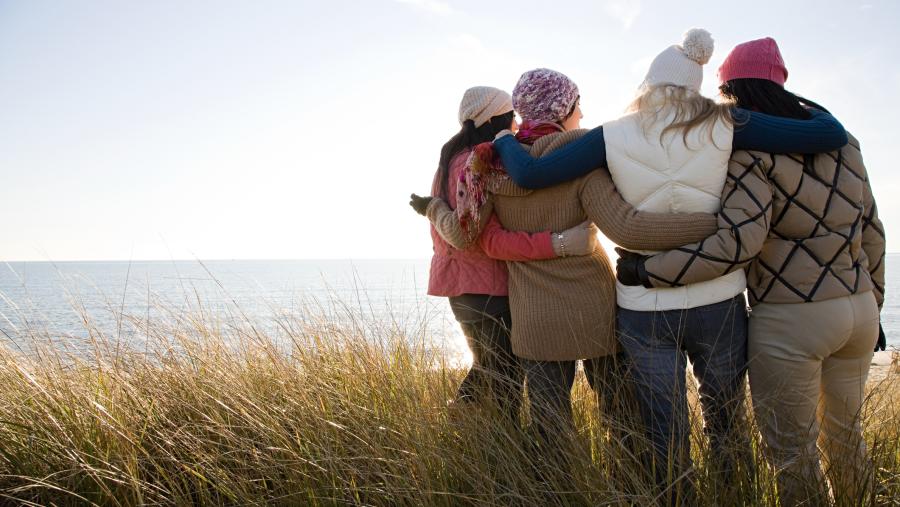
[
  {"x": 64, "y": 299},
  {"x": 56, "y": 297}
]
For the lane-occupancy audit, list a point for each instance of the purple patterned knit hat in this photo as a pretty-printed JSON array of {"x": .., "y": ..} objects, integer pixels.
[{"x": 544, "y": 95}]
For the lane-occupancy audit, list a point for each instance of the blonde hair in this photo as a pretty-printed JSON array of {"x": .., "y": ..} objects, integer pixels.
[{"x": 692, "y": 110}]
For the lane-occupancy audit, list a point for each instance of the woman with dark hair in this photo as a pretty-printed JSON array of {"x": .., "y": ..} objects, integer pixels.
[
  {"x": 475, "y": 278},
  {"x": 806, "y": 229},
  {"x": 563, "y": 309},
  {"x": 669, "y": 154}
]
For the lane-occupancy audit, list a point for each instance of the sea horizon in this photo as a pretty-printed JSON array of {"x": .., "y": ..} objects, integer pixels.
[{"x": 52, "y": 293}]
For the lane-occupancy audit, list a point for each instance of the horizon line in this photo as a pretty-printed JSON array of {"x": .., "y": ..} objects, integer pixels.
[
  {"x": 235, "y": 259},
  {"x": 225, "y": 259}
]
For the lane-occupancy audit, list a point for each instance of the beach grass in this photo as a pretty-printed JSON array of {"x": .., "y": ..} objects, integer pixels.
[{"x": 208, "y": 411}]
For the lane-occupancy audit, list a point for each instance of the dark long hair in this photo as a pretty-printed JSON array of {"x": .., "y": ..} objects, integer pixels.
[
  {"x": 767, "y": 97},
  {"x": 468, "y": 137}
]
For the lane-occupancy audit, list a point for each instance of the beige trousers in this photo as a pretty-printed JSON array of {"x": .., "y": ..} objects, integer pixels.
[{"x": 808, "y": 366}]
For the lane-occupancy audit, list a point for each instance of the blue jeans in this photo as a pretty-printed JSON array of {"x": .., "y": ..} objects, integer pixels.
[{"x": 714, "y": 337}]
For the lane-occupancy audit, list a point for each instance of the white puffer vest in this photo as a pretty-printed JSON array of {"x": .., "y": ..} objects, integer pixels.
[{"x": 670, "y": 177}]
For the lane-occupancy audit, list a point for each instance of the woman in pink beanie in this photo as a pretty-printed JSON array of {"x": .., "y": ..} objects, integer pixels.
[
  {"x": 563, "y": 309},
  {"x": 670, "y": 153},
  {"x": 806, "y": 230},
  {"x": 756, "y": 59}
]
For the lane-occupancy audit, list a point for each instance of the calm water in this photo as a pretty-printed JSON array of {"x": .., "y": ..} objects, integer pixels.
[
  {"x": 55, "y": 296},
  {"x": 51, "y": 295}
]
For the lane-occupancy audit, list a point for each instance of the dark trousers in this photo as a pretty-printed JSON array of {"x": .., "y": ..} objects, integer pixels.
[
  {"x": 714, "y": 337},
  {"x": 550, "y": 393},
  {"x": 495, "y": 375}
]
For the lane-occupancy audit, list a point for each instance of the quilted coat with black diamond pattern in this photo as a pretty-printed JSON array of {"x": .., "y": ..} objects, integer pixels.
[{"x": 805, "y": 227}]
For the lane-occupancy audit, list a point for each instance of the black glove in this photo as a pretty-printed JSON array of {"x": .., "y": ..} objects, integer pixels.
[
  {"x": 418, "y": 203},
  {"x": 881, "y": 344},
  {"x": 630, "y": 269}
]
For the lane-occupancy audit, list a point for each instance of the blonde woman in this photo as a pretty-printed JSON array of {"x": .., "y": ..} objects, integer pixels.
[
  {"x": 563, "y": 308},
  {"x": 670, "y": 154},
  {"x": 807, "y": 230}
]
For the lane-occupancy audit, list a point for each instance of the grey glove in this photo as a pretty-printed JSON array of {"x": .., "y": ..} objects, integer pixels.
[
  {"x": 419, "y": 203},
  {"x": 578, "y": 240}
]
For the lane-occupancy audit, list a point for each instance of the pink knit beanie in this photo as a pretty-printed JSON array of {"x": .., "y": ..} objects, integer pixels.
[
  {"x": 544, "y": 95},
  {"x": 758, "y": 59}
]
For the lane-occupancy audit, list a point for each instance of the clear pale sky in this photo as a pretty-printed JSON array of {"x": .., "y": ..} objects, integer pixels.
[{"x": 294, "y": 129}]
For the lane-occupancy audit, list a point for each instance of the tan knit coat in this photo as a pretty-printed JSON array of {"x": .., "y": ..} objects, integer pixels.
[
  {"x": 805, "y": 228},
  {"x": 564, "y": 308}
]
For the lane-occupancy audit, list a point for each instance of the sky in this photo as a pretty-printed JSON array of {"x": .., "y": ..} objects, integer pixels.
[{"x": 188, "y": 129}]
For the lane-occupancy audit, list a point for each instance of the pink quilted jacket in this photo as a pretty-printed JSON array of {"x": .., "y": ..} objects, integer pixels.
[{"x": 480, "y": 269}]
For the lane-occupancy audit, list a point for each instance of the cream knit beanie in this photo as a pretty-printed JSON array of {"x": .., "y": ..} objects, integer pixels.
[
  {"x": 481, "y": 103},
  {"x": 682, "y": 65}
]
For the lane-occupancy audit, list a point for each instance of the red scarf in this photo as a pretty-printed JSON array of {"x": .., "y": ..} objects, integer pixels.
[{"x": 484, "y": 172}]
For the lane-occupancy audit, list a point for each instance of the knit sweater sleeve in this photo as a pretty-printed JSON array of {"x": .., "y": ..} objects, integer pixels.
[
  {"x": 495, "y": 241},
  {"x": 776, "y": 134},
  {"x": 873, "y": 238},
  {"x": 743, "y": 225},
  {"x": 573, "y": 161},
  {"x": 639, "y": 230},
  {"x": 446, "y": 223}
]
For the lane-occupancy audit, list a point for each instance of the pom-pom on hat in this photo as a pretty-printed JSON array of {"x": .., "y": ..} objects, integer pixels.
[
  {"x": 682, "y": 65},
  {"x": 481, "y": 103},
  {"x": 544, "y": 95},
  {"x": 756, "y": 59}
]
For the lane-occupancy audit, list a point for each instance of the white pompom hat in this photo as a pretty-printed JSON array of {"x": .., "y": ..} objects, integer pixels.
[{"x": 682, "y": 65}]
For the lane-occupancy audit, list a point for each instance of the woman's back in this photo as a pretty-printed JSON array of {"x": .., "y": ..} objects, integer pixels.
[
  {"x": 814, "y": 249},
  {"x": 668, "y": 172},
  {"x": 565, "y": 308},
  {"x": 455, "y": 272},
  {"x": 805, "y": 227},
  {"x": 672, "y": 170}
]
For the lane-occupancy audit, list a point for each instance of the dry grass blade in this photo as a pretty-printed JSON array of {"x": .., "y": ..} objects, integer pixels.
[{"x": 210, "y": 409}]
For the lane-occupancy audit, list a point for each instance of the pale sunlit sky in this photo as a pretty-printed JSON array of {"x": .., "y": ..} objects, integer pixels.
[{"x": 296, "y": 129}]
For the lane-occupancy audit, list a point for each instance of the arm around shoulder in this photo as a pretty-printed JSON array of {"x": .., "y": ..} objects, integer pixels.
[
  {"x": 776, "y": 134},
  {"x": 565, "y": 164}
]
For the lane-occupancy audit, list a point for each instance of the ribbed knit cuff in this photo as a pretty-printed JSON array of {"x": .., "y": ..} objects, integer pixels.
[
  {"x": 503, "y": 133},
  {"x": 434, "y": 207},
  {"x": 556, "y": 246}
]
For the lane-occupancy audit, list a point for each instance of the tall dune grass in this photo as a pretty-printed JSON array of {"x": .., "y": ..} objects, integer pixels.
[{"x": 209, "y": 411}]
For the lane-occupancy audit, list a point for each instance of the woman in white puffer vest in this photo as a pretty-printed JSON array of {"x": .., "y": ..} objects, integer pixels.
[
  {"x": 807, "y": 230},
  {"x": 670, "y": 154}
]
